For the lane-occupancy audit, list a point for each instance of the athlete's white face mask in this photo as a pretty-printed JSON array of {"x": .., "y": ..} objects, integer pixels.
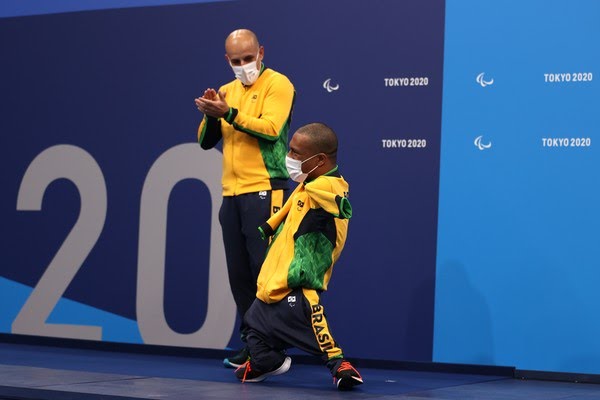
[
  {"x": 294, "y": 168},
  {"x": 247, "y": 73}
]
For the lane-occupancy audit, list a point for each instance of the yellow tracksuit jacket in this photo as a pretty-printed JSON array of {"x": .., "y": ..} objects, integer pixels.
[
  {"x": 309, "y": 235},
  {"x": 254, "y": 133}
]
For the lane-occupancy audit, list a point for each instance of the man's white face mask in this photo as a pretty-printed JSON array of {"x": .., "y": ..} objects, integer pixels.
[
  {"x": 294, "y": 168},
  {"x": 247, "y": 73}
]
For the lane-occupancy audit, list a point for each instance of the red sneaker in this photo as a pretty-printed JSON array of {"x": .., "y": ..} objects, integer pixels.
[
  {"x": 245, "y": 373},
  {"x": 346, "y": 376}
]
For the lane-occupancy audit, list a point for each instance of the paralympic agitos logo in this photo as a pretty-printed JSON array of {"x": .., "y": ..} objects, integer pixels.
[
  {"x": 481, "y": 80},
  {"x": 329, "y": 87}
]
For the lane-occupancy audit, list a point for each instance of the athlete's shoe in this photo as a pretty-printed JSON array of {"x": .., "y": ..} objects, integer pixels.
[
  {"x": 237, "y": 360},
  {"x": 245, "y": 373},
  {"x": 346, "y": 376}
]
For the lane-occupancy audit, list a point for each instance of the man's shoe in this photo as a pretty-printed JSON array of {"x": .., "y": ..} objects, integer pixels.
[
  {"x": 346, "y": 376},
  {"x": 237, "y": 360},
  {"x": 245, "y": 373}
]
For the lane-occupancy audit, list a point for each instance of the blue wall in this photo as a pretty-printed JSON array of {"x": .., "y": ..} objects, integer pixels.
[
  {"x": 518, "y": 255},
  {"x": 108, "y": 205}
]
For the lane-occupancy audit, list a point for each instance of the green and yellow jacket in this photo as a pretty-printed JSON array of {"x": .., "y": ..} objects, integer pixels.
[
  {"x": 309, "y": 233},
  {"x": 254, "y": 133}
]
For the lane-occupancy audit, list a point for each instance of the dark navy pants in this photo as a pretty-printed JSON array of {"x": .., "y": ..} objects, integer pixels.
[
  {"x": 296, "y": 321},
  {"x": 240, "y": 216}
]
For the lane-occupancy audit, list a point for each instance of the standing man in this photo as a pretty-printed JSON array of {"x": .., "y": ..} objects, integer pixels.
[{"x": 252, "y": 115}]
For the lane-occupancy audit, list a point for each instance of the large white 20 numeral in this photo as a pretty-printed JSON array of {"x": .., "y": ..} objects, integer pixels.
[
  {"x": 176, "y": 164},
  {"x": 75, "y": 164},
  {"x": 179, "y": 163}
]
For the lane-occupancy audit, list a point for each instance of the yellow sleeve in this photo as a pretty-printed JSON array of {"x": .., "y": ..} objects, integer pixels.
[{"x": 277, "y": 110}]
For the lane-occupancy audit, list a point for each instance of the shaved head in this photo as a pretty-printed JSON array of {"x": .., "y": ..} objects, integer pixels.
[
  {"x": 242, "y": 37},
  {"x": 322, "y": 138}
]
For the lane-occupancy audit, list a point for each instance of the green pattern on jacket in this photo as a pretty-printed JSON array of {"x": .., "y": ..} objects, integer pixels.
[{"x": 312, "y": 258}]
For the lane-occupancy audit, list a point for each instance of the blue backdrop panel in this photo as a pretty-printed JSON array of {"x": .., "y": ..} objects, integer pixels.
[
  {"x": 16, "y": 8},
  {"x": 99, "y": 133},
  {"x": 517, "y": 266}
]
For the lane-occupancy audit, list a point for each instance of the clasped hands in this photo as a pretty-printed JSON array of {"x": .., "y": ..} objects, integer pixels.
[{"x": 212, "y": 103}]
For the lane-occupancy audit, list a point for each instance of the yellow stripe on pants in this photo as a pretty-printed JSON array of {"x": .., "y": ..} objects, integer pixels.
[
  {"x": 276, "y": 200},
  {"x": 320, "y": 326}
]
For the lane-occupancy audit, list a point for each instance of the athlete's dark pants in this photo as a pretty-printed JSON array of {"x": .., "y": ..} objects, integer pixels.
[
  {"x": 296, "y": 321},
  {"x": 240, "y": 216}
]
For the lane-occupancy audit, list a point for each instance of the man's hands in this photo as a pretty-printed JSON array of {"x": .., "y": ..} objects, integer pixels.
[{"x": 212, "y": 103}]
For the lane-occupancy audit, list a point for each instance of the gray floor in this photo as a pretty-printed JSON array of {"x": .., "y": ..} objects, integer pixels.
[
  {"x": 57, "y": 384},
  {"x": 45, "y": 373}
]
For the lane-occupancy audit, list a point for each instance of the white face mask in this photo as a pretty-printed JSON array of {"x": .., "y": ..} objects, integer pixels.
[
  {"x": 247, "y": 73},
  {"x": 294, "y": 168}
]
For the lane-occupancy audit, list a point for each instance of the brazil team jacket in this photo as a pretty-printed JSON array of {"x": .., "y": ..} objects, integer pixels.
[
  {"x": 309, "y": 233},
  {"x": 254, "y": 133}
]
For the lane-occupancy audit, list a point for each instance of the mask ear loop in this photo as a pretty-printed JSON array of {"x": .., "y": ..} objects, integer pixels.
[
  {"x": 309, "y": 172},
  {"x": 313, "y": 156},
  {"x": 317, "y": 166}
]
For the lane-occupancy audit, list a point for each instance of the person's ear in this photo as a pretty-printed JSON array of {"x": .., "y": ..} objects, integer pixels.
[{"x": 322, "y": 157}]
